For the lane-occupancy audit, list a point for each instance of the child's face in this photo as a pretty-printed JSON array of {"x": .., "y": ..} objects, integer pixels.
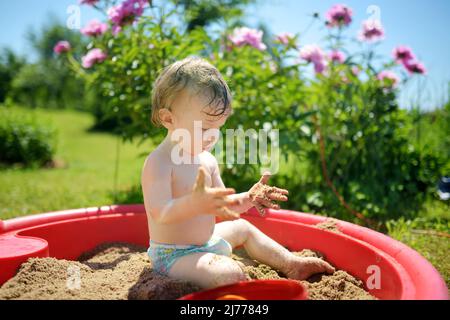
[{"x": 190, "y": 120}]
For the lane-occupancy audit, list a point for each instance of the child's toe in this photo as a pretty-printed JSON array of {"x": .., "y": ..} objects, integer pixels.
[{"x": 328, "y": 267}]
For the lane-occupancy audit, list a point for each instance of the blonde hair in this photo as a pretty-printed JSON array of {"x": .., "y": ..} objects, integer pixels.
[{"x": 195, "y": 74}]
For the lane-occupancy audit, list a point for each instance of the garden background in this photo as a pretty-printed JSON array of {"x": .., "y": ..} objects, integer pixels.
[{"x": 364, "y": 137}]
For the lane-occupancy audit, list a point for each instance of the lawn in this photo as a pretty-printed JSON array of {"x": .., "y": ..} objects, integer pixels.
[
  {"x": 429, "y": 237},
  {"x": 86, "y": 177}
]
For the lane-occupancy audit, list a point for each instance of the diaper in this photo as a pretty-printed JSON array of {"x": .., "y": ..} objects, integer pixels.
[{"x": 164, "y": 255}]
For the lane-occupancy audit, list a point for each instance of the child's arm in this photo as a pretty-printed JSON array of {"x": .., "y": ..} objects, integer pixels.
[
  {"x": 157, "y": 192},
  {"x": 260, "y": 195},
  {"x": 242, "y": 199}
]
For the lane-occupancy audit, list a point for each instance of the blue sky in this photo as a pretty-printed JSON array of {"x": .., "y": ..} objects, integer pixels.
[{"x": 420, "y": 24}]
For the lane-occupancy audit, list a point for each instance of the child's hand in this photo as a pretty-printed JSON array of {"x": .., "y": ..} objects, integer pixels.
[
  {"x": 213, "y": 200},
  {"x": 261, "y": 195}
]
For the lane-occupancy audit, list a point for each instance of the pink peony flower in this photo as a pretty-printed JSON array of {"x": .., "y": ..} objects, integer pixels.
[
  {"x": 61, "y": 46},
  {"x": 116, "y": 29},
  {"x": 93, "y": 56},
  {"x": 88, "y": 2},
  {"x": 125, "y": 13},
  {"x": 402, "y": 54},
  {"x": 406, "y": 57},
  {"x": 244, "y": 35},
  {"x": 284, "y": 37},
  {"x": 314, "y": 54},
  {"x": 339, "y": 15},
  {"x": 337, "y": 56},
  {"x": 94, "y": 28},
  {"x": 320, "y": 66},
  {"x": 415, "y": 67},
  {"x": 372, "y": 30},
  {"x": 355, "y": 70},
  {"x": 388, "y": 78}
]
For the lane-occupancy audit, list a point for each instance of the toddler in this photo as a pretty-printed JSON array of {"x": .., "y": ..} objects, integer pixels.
[{"x": 182, "y": 199}]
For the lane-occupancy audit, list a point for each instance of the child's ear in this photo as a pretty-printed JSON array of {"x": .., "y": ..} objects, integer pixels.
[{"x": 166, "y": 118}]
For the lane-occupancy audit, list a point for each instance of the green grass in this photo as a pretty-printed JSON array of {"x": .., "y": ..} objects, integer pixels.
[
  {"x": 434, "y": 246},
  {"x": 87, "y": 176}
]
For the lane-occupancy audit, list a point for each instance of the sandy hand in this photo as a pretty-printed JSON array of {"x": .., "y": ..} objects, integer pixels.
[
  {"x": 261, "y": 195},
  {"x": 213, "y": 200}
]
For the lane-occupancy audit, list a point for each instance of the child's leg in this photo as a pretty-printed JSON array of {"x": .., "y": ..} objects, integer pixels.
[
  {"x": 208, "y": 270},
  {"x": 264, "y": 249}
]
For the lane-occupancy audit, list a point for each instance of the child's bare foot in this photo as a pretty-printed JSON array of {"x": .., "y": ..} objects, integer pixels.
[{"x": 302, "y": 268}]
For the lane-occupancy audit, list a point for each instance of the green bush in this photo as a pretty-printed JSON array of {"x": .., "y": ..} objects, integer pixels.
[
  {"x": 369, "y": 157},
  {"x": 368, "y": 152},
  {"x": 47, "y": 82},
  {"x": 24, "y": 141},
  {"x": 430, "y": 133},
  {"x": 10, "y": 65},
  {"x": 129, "y": 195}
]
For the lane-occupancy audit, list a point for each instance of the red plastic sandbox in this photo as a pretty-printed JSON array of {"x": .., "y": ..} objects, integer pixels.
[
  {"x": 404, "y": 273},
  {"x": 253, "y": 290}
]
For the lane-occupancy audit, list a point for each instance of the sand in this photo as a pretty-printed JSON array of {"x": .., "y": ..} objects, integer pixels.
[
  {"x": 329, "y": 224},
  {"x": 111, "y": 271},
  {"x": 123, "y": 271},
  {"x": 338, "y": 286}
]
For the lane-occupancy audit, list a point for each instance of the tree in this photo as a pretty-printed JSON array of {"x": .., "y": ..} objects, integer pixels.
[
  {"x": 48, "y": 82},
  {"x": 10, "y": 65}
]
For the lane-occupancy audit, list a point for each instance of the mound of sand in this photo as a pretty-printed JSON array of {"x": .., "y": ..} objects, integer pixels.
[
  {"x": 338, "y": 286},
  {"x": 123, "y": 271},
  {"x": 110, "y": 271},
  {"x": 329, "y": 224}
]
